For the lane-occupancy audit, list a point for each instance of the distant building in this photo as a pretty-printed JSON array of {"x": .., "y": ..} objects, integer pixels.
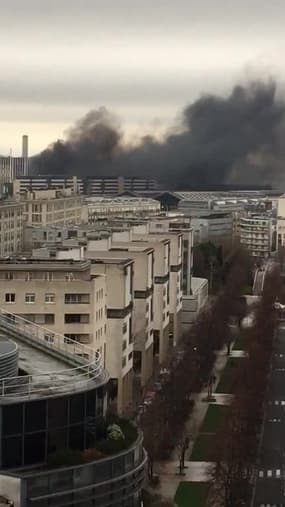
[
  {"x": 114, "y": 185},
  {"x": 54, "y": 207},
  {"x": 11, "y": 227},
  {"x": 104, "y": 207},
  {"x": 281, "y": 222},
  {"x": 215, "y": 227},
  {"x": 14, "y": 167},
  {"x": 258, "y": 235},
  {"x": 22, "y": 185}
]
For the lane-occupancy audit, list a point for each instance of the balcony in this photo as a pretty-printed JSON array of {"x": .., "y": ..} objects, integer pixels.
[{"x": 109, "y": 480}]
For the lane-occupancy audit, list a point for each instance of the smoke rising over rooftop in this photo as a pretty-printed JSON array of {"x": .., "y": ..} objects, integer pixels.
[{"x": 239, "y": 138}]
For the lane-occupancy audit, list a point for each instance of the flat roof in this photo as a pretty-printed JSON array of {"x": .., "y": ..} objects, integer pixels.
[
  {"x": 51, "y": 376},
  {"x": 111, "y": 260},
  {"x": 23, "y": 264}
]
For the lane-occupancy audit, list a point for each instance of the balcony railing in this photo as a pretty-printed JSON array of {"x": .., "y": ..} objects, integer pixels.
[{"x": 88, "y": 364}]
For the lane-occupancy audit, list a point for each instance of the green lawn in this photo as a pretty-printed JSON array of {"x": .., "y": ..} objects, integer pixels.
[
  {"x": 191, "y": 494},
  {"x": 226, "y": 381},
  {"x": 204, "y": 448},
  {"x": 214, "y": 417}
]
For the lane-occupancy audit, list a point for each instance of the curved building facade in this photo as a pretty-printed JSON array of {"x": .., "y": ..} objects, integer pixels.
[{"x": 54, "y": 407}]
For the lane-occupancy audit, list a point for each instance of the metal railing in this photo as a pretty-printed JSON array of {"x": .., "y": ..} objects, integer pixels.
[{"x": 89, "y": 361}]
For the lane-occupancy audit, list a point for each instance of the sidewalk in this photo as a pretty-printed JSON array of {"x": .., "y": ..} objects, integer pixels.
[{"x": 195, "y": 471}]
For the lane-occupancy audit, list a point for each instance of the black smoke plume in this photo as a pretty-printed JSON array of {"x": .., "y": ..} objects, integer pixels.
[{"x": 236, "y": 139}]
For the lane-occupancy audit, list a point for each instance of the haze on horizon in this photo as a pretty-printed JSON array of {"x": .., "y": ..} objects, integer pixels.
[{"x": 144, "y": 61}]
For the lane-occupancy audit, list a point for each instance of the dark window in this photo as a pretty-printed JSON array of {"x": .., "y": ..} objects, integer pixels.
[
  {"x": 49, "y": 318},
  {"x": 56, "y": 440},
  {"x": 35, "y": 416},
  {"x": 34, "y": 448},
  {"x": 76, "y": 408},
  {"x": 11, "y": 452},
  {"x": 91, "y": 404},
  {"x": 57, "y": 412},
  {"x": 76, "y": 318},
  {"x": 12, "y": 422},
  {"x": 76, "y": 437},
  {"x": 10, "y": 297}
]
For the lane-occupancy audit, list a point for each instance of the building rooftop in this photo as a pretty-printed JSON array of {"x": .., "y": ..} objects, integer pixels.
[
  {"x": 48, "y": 365},
  {"x": 111, "y": 260},
  {"x": 23, "y": 264}
]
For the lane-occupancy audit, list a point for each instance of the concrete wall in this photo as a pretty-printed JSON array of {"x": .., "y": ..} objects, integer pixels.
[{"x": 10, "y": 488}]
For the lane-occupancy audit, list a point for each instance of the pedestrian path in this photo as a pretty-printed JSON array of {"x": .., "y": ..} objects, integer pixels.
[{"x": 195, "y": 471}]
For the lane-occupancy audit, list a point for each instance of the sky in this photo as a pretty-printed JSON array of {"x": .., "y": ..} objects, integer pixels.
[{"x": 143, "y": 60}]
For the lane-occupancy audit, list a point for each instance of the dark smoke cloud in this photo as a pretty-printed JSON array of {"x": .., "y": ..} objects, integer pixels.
[{"x": 238, "y": 139}]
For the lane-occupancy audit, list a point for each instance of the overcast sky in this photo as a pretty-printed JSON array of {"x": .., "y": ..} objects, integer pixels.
[{"x": 142, "y": 59}]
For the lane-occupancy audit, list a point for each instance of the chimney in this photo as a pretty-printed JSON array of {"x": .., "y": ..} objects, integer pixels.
[{"x": 25, "y": 146}]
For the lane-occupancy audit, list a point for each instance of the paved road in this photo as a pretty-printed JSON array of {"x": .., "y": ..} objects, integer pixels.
[{"x": 270, "y": 487}]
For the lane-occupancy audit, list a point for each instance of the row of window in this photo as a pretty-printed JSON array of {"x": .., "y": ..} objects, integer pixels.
[
  {"x": 30, "y": 297},
  {"x": 47, "y": 276},
  {"x": 99, "y": 295},
  {"x": 99, "y": 332},
  {"x": 124, "y": 360}
]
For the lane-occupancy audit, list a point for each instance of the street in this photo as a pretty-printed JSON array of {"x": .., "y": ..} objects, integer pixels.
[{"x": 270, "y": 486}]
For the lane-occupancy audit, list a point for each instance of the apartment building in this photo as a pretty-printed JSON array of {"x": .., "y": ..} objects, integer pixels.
[
  {"x": 119, "y": 346},
  {"x": 281, "y": 222},
  {"x": 143, "y": 310},
  {"x": 61, "y": 295},
  {"x": 52, "y": 235},
  {"x": 11, "y": 227},
  {"x": 161, "y": 294},
  {"x": 159, "y": 224},
  {"x": 22, "y": 185},
  {"x": 215, "y": 227},
  {"x": 114, "y": 185},
  {"x": 59, "y": 207},
  {"x": 258, "y": 235},
  {"x": 175, "y": 240},
  {"x": 104, "y": 207}
]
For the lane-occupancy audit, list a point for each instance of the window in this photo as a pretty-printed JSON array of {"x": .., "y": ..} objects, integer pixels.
[
  {"x": 76, "y": 318},
  {"x": 49, "y": 298},
  {"x": 48, "y": 276},
  {"x": 28, "y": 277},
  {"x": 30, "y": 298},
  {"x": 10, "y": 297},
  {"x": 130, "y": 356},
  {"x": 49, "y": 318},
  {"x": 77, "y": 298},
  {"x": 125, "y": 327},
  {"x": 9, "y": 276},
  {"x": 124, "y": 362},
  {"x": 124, "y": 346},
  {"x": 130, "y": 331},
  {"x": 69, "y": 277}
]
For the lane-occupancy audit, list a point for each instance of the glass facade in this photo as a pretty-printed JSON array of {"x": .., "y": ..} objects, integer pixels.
[
  {"x": 32, "y": 430},
  {"x": 114, "y": 481}
]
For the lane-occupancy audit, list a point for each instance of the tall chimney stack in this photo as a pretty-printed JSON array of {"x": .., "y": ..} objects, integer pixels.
[{"x": 25, "y": 146}]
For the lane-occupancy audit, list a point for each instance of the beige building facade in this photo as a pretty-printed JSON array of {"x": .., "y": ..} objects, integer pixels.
[
  {"x": 62, "y": 296},
  {"x": 11, "y": 228},
  {"x": 143, "y": 310},
  {"x": 54, "y": 207},
  {"x": 119, "y": 345}
]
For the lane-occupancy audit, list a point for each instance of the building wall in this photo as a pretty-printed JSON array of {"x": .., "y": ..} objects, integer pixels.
[
  {"x": 119, "y": 343},
  {"x": 56, "y": 315},
  {"x": 143, "y": 310},
  {"x": 257, "y": 234},
  {"x": 11, "y": 229},
  {"x": 55, "y": 210}
]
